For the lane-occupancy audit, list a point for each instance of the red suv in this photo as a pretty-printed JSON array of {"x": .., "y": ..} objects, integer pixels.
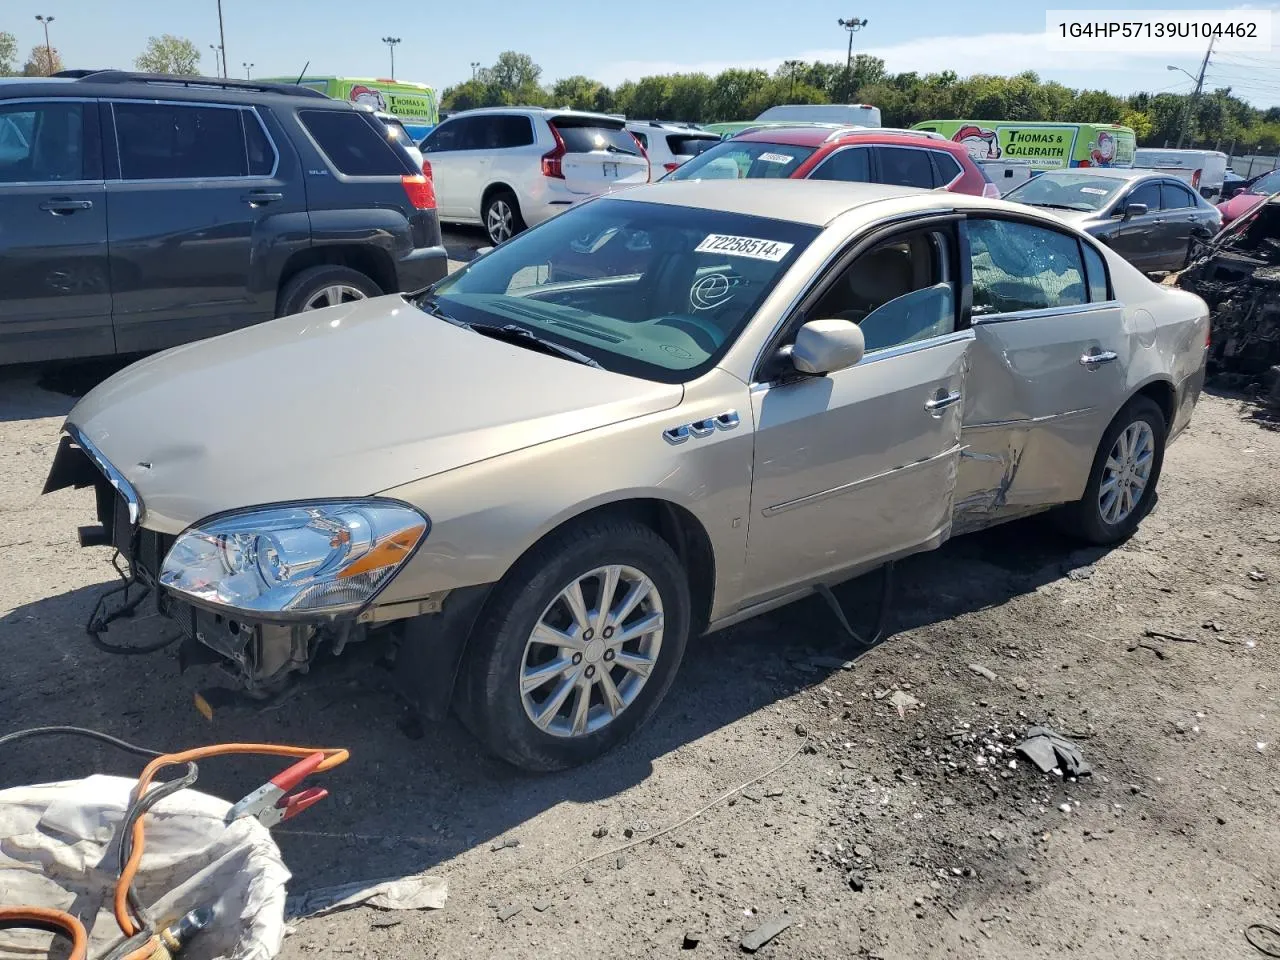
[{"x": 906, "y": 158}]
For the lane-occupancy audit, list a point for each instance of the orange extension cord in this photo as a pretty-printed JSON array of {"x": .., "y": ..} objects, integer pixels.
[{"x": 59, "y": 921}]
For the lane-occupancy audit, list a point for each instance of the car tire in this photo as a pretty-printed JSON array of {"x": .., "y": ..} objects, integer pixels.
[
  {"x": 325, "y": 285},
  {"x": 501, "y": 216},
  {"x": 506, "y": 651},
  {"x": 1094, "y": 518}
]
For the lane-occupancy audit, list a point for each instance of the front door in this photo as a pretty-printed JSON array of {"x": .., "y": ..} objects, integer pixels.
[
  {"x": 55, "y": 289},
  {"x": 1140, "y": 239},
  {"x": 860, "y": 465},
  {"x": 458, "y": 166},
  {"x": 188, "y": 219},
  {"x": 1050, "y": 356}
]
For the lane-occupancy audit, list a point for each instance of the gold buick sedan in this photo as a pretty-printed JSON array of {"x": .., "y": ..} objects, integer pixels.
[{"x": 660, "y": 413}]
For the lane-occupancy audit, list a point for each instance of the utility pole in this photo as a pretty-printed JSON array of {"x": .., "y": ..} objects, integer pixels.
[
  {"x": 48, "y": 50},
  {"x": 391, "y": 45},
  {"x": 222, "y": 41},
  {"x": 1195, "y": 97},
  {"x": 853, "y": 25},
  {"x": 219, "y": 62}
]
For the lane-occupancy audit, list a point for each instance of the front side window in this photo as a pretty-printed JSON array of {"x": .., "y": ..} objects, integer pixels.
[
  {"x": 645, "y": 289},
  {"x": 174, "y": 141},
  {"x": 743, "y": 159},
  {"x": 447, "y": 136},
  {"x": 900, "y": 291},
  {"x": 42, "y": 142},
  {"x": 353, "y": 145},
  {"x": 905, "y": 167},
  {"x": 1017, "y": 266},
  {"x": 851, "y": 165},
  {"x": 1148, "y": 193}
]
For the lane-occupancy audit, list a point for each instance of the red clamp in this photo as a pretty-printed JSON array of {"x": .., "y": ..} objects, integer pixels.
[{"x": 272, "y": 803}]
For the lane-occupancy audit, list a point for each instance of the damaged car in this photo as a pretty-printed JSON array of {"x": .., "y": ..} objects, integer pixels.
[{"x": 661, "y": 413}]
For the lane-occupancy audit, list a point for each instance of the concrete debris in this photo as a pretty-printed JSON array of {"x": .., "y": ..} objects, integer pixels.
[
  {"x": 801, "y": 731},
  {"x": 1257, "y": 576},
  {"x": 904, "y": 702},
  {"x": 508, "y": 844},
  {"x": 862, "y": 850},
  {"x": 1080, "y": 573},
  {"x": 982, "y": 671},
  {"x": 506, "y": 913},
  {"x": 691, "y": 939},
  {"x": 542, "y": 906},
  {"x": 600, "y": 832},
  {"x": 1049, "y": 751},
  {"x": 831, "y": 663},
  {"x": 762, "y": 934}
]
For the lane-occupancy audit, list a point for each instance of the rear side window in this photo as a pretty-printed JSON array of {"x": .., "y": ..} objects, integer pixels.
[
  {"x": 588, "y": 138},
  {"x": 642, "y": 137},
  {"x": 1095, "y": 270},
  {"x": 945, "y": 167},
  {"x": 1017, "y": 266},
  {"x": 689, "y": 146},
  {"x": 501, "y": 133},
  {"x": 262, "y": 158},
  {"x": 852, "y": 165},
  {"x": 352, "y": 145},
  {"x": 167, "y": 141},
  {"x": 1174, "y": 197},
  {"x": 904, "y": 167}
]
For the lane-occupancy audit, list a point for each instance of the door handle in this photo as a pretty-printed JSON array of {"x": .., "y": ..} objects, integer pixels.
[
  {"x": 1095, "y": 360},
  {"x": 61, "y": 206},
  {"x": 938, "y": 404},
  {"x": 260, "y": 196}
]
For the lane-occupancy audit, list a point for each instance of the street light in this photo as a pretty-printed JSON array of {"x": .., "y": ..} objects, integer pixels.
[
  {"x": 1180, "y": 70},
  {"x": 48, "y": 50},
  {"x": 391, "y": 45},
  {"x": 247, "y": 68},
  {"x": 853, "y": 25},
  {"x": 219, "y": 62},
  {"x": 475, "y": 65}
]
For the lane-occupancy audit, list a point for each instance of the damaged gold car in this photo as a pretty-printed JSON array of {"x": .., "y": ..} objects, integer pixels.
[{"x": 655, "y": 415}]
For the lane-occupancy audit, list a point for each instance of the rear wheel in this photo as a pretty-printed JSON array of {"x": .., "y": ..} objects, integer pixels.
[
  {"x": 327, "y": 285},
  {"x": 577, "y": 646},
  {"x": 501, "y": 214},
  {"x": 1122, "y": 484}
]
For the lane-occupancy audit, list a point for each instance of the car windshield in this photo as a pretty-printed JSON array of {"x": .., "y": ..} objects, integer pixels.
[
  {"x": 645, "y": 289},
  {"x": 1267, "y": 185},
  {"x": 1067, "y": 191},
  {"x": 743, "y": 159}
]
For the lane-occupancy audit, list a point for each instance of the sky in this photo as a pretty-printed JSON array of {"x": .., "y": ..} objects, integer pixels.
[{"x": 616, "y": 40}]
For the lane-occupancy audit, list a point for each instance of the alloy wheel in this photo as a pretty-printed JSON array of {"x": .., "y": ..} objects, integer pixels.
[
  {"x": 1127, "y": 472},
  {"x": 501, "y": 221},
  {"x": 333, "y": 295},
  {"x": 591, "y": 652}
]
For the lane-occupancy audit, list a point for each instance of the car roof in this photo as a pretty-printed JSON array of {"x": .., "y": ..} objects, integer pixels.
[
  {"x": 813, "y": 202},
  {"x": 818, "y": 136},
  {"x": 154, "y": 86}
]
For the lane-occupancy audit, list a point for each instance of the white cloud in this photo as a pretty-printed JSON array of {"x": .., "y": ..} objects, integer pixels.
[{"x": 998, "y": 53}]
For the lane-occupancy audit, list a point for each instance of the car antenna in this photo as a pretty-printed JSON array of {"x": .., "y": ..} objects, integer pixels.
[{"x": 302, "y": 74}]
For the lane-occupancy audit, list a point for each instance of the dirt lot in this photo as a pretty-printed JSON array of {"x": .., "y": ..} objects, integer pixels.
[{"x": 1168, "y": 850}]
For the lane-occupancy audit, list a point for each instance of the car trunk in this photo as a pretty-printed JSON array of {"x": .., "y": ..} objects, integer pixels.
[{"x": 598, "y": 155}]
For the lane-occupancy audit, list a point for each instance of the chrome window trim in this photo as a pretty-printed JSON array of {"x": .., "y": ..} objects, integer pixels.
[
  {"x": 112, "y": 101},
  {"x": 114, "y": 476},
  {"x": 46, "y": 183},
  {"x": 1072, "y": 310}
]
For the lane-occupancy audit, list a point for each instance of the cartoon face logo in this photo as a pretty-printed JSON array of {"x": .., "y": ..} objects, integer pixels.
[
  {"x": 982, "y": 144},
  {"x": 1103, "y": 152},
  {"x": 368, "y": 96}
]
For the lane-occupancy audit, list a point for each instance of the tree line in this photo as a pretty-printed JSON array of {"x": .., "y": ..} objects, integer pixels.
[
  {"x": 1217, "y": 119},
  {"x": 163, "y": 54}
]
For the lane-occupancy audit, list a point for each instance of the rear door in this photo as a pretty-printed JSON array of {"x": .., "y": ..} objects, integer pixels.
[
  {"x": 1049, "y": 368},
  {"x": 55, "y": 291},
  {"x": 1182, "y": 221},
  {"x": 199, "y": 197},
  {"x": 905, "y": 167},
  {"x": 598, "y": 155}
]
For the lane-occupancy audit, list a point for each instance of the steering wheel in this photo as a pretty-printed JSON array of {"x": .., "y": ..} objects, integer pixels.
[{"x": 705, "y": 334}]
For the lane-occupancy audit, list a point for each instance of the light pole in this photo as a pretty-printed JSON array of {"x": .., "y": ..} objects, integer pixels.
[
  {"x": 48, "y": 50},
  {"x": 1199, "y": 80},
  {"x": 219, "y": 61},
  {"x": 793, "y": 66},
  {"x": 853, "y": 25},
  {"x": 222, "y": 41},
  {"x": 247, "y": 68},
  {"x": 391, "y": 45},
  {"x": 475, "y": 65}
]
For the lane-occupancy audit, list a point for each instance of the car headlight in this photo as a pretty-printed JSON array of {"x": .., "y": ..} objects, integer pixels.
[{"x": 326, "y": 557}]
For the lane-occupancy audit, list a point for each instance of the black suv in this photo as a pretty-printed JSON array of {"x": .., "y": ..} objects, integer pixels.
[{"x": 139, "y": 211}]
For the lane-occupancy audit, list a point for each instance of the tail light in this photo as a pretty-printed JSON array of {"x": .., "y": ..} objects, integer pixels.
[
  {"x": 990, "y": 191},
  {"x": 643, "y": 152},
  {"x": 552, "y": 165},
  {"x": 419, "y": 189},
  {"x": 670, "y": 165}
]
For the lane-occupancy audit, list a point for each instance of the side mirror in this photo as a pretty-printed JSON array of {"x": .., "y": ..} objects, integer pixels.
[
  {"x": 825, "y": 346},
  {"x": 1134, "y": 210}
]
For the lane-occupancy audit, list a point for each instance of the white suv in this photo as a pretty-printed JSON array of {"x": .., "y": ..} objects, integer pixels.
[
  {"x": 506, "y": 168},
  {"x": 670, "y": 144}
]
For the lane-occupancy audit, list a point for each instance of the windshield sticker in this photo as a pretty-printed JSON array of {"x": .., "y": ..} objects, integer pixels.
[
  {"x": 710, "y": 292},
  {"x": 774, "y": 158},
  {"x": 752, "y": 247},
  {"x": 1098, "y": 190}
]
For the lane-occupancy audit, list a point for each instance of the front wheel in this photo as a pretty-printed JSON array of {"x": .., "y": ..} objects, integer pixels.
[
  {"x": 577, "y": 647},
  {"x": 501, "y": 214},
  {"x": 1122, "y": 484}
]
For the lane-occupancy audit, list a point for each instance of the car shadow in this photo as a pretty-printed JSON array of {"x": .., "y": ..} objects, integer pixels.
[
  {"x": 34, "y": 391},
  {"x": 1247, "y": 394},
  {"x": 402, "y": 806}
]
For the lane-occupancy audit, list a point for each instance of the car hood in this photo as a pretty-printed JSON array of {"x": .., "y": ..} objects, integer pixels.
[
  {"x": 1239, "y": 205},
  {"x": 347, "y": 401}
]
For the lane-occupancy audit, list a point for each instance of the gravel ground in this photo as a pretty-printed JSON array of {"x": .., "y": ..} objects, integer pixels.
[{"x": 878, "y": 834}]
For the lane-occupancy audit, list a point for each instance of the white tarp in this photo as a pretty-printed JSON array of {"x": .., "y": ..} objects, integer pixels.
[{"x": 57, "y": 850}]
